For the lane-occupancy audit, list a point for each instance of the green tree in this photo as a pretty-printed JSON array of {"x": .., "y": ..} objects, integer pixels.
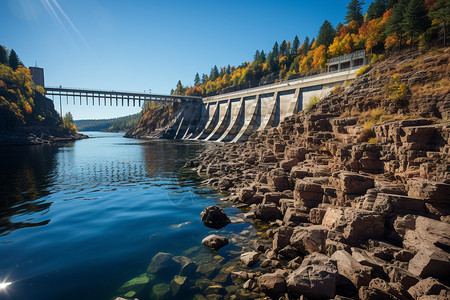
[
  {"x": 275, "y": 51},
  {"x": 204, "y": 78},
  {"x": 262, "y": 57},
  {"x": 3, "y": 55},
  {"x": 440, "y": 12},
  {"x": 354, "y": 12},
  {"x": 13, "y": 59},
  {"x": 376, "y": 9},
  {"x": 394, "y": 23},
  {"x": 295, "y": 45},
  {"x": 415, "y": 19},
  {"x": 197, "y": 79},
  {"x": 339, "y": 26},
  {"x": 326, "y": 34},
  {"x": 283, "y": 47},
  {"x": 214, "y": 73},
  {"x": 256, "y": 55}
]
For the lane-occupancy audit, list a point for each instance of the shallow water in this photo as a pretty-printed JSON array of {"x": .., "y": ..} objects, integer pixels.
[{"x": 78, "y": 220}]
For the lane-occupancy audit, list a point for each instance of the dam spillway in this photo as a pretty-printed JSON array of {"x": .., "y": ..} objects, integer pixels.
[{"x": 232, "y": 117}]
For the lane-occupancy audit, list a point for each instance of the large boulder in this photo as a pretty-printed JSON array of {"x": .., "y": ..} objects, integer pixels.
[
  {"x": 281, "y": 238},
  {"x": 350, "y": 268},
  {"x": 430, "y": 191},
  {"x": 215, "y": 241},
  {"x": 430, "y": 262},
  {"x": 308, "y": 194},
  {"x": 279, "y": 180},
  {"x": 316, "y": 278},
  {"x": 267, "y": 212},
  {"x": 428, "y": 287},
  {"x": 249, "y": 258},
  {"x": 214, "y": 217},
  {"x": 362, "y": 225},
  {"x": 272, "y": 283},
  {"x": 424, "y": 232},
  {"x": 309, "y": 239},
  {"x": 163, "y": 264},
  {"x": 354, "y": 183}
]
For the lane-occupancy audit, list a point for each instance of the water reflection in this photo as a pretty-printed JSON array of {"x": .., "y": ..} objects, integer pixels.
[{"x": 25, "y": 176}]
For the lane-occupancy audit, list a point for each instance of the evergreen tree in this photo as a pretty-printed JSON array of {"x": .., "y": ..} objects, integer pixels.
[
  {"x": 214, "y": 73},
  {"x": 197, "y": 79},
  {"x": 326, "y": 34},
  {"x": 228, "y": 70},
  {"x": 307, "y": 45},
  {"x": 393, "y": 25},
  {"x": 283, "y": 47},
  {"x": 354, "y": 12},
  {"x": 3, "y": 55},
  {"x": 376, "y": 9},
  {"x": 275, "y": 52},
  {"x": 13, "y": 59},
  {"x": 339, "y": 26},
  {"x": 204, "y": 78},
  {"x": 415, "y": 19},
  {"x": 262, "y": 57},
  {"x": 295, "y": 45},
  {"x": 256, "y": 55},
  {"x": 390, "y": 3},
  {"x": 440, "y": 13}
]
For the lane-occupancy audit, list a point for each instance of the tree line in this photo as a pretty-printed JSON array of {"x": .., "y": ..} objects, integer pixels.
[{"x": 387, "y": 25}]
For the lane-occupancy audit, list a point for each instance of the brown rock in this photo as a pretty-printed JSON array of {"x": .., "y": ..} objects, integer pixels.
[
  {"x": 282, "y": 237},
  {"x": 308, "y": 194},
  {"x": 430, "y": 191},
  {"x": 267, "y": 212},
  {"x": 427, "y": 287},
  {"x": 272, "y": 283},
  {"x": 316, "y": 215},
  {"x": 430, "y": 262},
  {"x": 279, "y": 180},
  {"x": 309, "y": 239},
  {"x": 249, "y": 258},
  {"x": 351, "y": 268},
  {"x": 214, "y": 217},
  {"x": 354, "y": 183},
  {"x": 214, "y": 241}
]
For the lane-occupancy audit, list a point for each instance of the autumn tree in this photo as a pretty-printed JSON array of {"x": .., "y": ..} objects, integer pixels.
[
  {"x": 339, "y": 27},
  {"x": 295, "y": 45},
  {"x": 376, "y": 9},
  {"x": 197, "y": 79},
  {"x": 354, "y": 12},
  {"x": 3, "y": 55},
  {"x": 13, "y": 60},
  {"x": 326, "y": 34},
  {"x": 415, "y": 19},
  {"x": 440, "y": 13}
]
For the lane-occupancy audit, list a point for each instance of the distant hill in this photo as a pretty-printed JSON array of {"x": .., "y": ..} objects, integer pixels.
[{"x": 109, "y": 125}]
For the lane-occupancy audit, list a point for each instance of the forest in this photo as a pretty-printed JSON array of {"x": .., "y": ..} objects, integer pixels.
[
  {"x": 387, "y": 26},
  {"x": 120, "y": 124}
]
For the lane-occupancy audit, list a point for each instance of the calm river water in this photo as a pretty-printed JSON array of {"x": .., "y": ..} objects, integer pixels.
[{"x": 79, "y": 220}]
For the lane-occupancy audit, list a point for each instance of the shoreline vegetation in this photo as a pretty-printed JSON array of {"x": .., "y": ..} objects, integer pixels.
[{"x": 27, "y": 117}]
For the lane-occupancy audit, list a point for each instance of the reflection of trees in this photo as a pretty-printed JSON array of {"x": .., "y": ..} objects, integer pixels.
[{"x": 25, "y": 177}]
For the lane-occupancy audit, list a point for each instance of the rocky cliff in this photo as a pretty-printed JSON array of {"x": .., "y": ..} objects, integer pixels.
[{"x": 357, "y": 191}]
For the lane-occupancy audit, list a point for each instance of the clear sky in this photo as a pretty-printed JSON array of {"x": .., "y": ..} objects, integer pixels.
[{"x": 145, "y": 44}]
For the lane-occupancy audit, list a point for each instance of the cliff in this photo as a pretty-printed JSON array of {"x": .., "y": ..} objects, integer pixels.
[
  {"x": 356, "y": 192},
  {"x": 156, "y": 122}
]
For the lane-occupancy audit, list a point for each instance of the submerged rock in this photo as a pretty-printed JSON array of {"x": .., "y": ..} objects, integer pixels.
[
  {"x": 215, "y": 241},
  {"x": 214, "y": 217},
  {"x": 163, "y": 264}
]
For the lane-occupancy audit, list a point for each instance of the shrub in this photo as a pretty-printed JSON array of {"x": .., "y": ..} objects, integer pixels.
[
  {"x": 363, "y": 70},
  {"x": 398, "y": 90},
  {"x": 313, "y": 100},
  {"x": 336, "y": 89},
  {"x": 372, "y": 141},
  {"x": 376, "y": 58}
]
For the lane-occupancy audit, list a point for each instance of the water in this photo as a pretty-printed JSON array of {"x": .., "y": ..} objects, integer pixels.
[{"x": 78, "y": 220}]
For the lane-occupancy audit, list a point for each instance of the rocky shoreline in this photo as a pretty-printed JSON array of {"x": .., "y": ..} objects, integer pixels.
[{"x": 38, "y": 136}]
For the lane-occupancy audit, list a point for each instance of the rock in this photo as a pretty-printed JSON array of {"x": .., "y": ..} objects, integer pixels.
[
  {"x": 308, "y": 194},
  {"x": 316, "y": 215},
  {"x": 136, "y": 284},
  {"x": 161, "y": 291},
  {"x": 429, "y": 286},
  {"x": 249, "y": 284},
  {"x": 187, "y": 266},
  {"x": 225, "y": 184},
  {"x": 362, "y": 225},
  {"x": 246, "y": 194},
  {"x": 402, "y": 276},
  {"x": 279, "y": 180},
  {"x": 267, "y": 212},
  {"x": 163, "y": 264},
  {"x": 216, "y": 289},
  {"x": 309, "y": 239},
  {"x": 351, "y": 268},
  {"x": 393, "y": 289},
  {"x": 288, "y": 164},
  {"x": 429, "y": 191},
  {"x": 214, "y": 217},
  {"x": 178, "y": 284},
  {"x": 369, "y": 293},
  {"x": 316, "y": 278},
  {"x": 272, "y": 284},
  {"x": 404, "y": 255},
  {"x": 282, "y": 237},
  {"x": 430, "y": 262},
  {"x": 215, "y": 242},
  {"x": 354, "y": 183},
  {"x": 333, "y": 217},
  {"x": 294, "y": 216},
  {"x": 427, "y": 233},
  {"x": 249, "y": 258}
]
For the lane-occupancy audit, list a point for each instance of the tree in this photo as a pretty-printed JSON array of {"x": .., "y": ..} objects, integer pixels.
[
  {"x": 393, "y": 25},
  {"x": 326, "y": 34},
  {"x": 283, "y": 47},
  {"x": 440, "y": 13},
  {"x": 354, "y": 12},
  {"x": 3, "y": 55},
  {"x": 415, "y": 19},
  {"x": 339, "y": 26},
  {"x": 204, "y": 78},
  {"x": 262, "y": 57},
  {"x": 295, "y": 45},
  {"x": 14, "y": 61},
  {"x": 275, "y": 52},
  {"x": 307, "y": 45},
  {"x": 376, "y": 9},
  {"x": 197, "y": 79},
  {"x": 256, "y": 55},
  {"x": 214, "y": 73}
]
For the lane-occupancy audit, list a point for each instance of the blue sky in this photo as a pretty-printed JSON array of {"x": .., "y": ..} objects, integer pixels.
[{"x": 140, "y": 45}]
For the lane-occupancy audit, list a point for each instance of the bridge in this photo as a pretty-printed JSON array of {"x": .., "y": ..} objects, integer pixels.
[{"x": 233, "y": 116}]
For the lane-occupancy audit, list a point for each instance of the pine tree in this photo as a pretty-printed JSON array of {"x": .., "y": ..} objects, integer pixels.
[
  {"x": 393, "y": 25},
  {"x": 262, "y": 57},
  {"x": 339, "y": 26},
  {"x": 283, "y": 47},
  {"x": 440, "y": 13},
  {"x": 228, "y": 70},
  {"x": 307, "y": 45},
  {"x": 376, "y": 9},
  {"x": 354, "y": 12},
  {"x": 256, "y": 55},
  {"x": 415, "y": 19},
  {"x": 204, "y": 78},
  {"x": 295, "y": 45},
  {"x": 214, "y": 73},
  {"x": 326, "y": 34},
  {"x": 197, "y": 79},
  {"x": 14, "y": 61},
  {"x": 3, "y": 55},
  {"x": 275, "y": 52}
]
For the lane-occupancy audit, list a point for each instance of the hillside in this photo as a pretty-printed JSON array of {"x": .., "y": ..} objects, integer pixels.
[
  {"x": 26, "y": 115},
  {"x": 121, "y": 124},
  {"x": 352, "y": 198}
]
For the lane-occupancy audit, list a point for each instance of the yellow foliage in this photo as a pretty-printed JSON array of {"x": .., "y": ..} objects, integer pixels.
[
  {"x": 363, "y": 70},
  {"x": 320, "y": 57}
]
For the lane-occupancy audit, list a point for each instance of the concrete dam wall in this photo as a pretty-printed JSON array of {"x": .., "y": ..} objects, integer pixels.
[{"x": 232, "y": 117}]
